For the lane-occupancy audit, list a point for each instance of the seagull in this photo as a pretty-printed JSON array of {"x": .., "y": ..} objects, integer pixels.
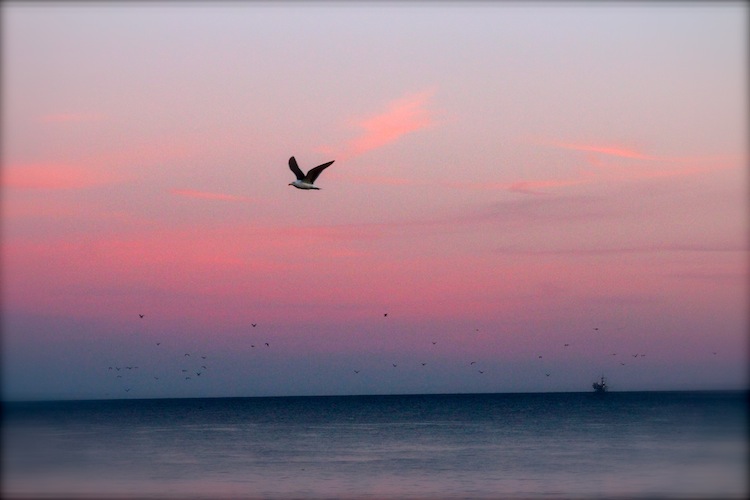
[
  {"x": 141, "y": 315},
  {"x": 434, "y": 343},
  {"x": 254, "y": 324},
  {"x": 385, "y": 315},
  {"x": 305, "y": 181},
  {"x": 356, "y": 371},
  {"x": 267, "y": 345}
]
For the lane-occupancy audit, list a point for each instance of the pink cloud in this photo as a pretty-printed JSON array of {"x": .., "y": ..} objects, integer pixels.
[
  {"x": 70, "y": 117},
  {"x": 606, "y": 150},
  {"x": 402, "y": 116},
  {"x": 52, "y": 176},
  {"x": 202, "y": 195}
]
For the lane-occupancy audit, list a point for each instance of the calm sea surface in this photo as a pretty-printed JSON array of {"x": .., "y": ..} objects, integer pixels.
[{"x": 554, "y": 445}]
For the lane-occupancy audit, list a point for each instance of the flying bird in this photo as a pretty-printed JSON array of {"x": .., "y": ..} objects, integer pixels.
[
  {"x": 306, "y": 181},
  {"x": 141, "y": 315},
  {"x": 254, "y": 324}
]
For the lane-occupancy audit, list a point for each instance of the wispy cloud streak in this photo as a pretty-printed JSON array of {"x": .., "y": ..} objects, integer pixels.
[
  {"x": 402, "y": 116},
  {"x": 52, "y": 176},
  {"x": 203, "y": 195}
]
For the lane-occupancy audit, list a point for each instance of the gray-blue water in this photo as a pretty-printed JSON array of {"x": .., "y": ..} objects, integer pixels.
[{"x": 554, "y": 445}]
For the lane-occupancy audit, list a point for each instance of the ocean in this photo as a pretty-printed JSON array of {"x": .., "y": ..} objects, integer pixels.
[{"x": 538, "y": 445}]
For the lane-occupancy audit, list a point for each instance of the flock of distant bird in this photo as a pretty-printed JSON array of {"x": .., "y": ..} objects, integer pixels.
[{"x": 198, "y": 370}]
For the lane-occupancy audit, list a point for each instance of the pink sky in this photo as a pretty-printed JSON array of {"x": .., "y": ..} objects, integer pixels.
[{"x": 506, "y": 179}]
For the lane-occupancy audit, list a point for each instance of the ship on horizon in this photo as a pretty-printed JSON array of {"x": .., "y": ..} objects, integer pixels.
[{"x": 601, "y": 386}]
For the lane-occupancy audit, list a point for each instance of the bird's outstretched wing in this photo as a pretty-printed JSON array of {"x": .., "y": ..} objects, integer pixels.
[
  {"x": 295, "y": 168},
  {"x": 315, "y": 172}
]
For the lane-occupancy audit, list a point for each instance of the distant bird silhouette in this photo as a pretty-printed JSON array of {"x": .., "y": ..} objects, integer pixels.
[
  {"x": 252, "y": 345},
  {"x": 635, "y": 355},
  {"x": 566, "y": 345},
  {"x": 186, "y": 354},
  {"x": 394, "y": 365},
  {"x": 184, "y": 371},
  {"x": 547, "y": 374},
  {"x": 306, "y": 181},
  {"x": 198, "y": 373},
  {"x": 356, "y": 371},
  {"x": 622, "y": 364},
  {"x": 472, "y": 363},
  {"x": 157, "y": 378},
  {"x": 158, "y": 343},
  {"x": 204, "y": 367},
  {"x": 267, "y": 344},
  {"x": 127, "y": 390},
  {"x": 141, "y": 315},
  {"x": 540, "y": 357},
  {"x": 424, "y": 364},
  {"x": 385, "y": 315},
  {"x": 434, "y": 343},
  {"x": 203, "y": 357},
  {"x": 254, "y": 324},
  {"x": 597, "y": 329},
  {"x": 187, "y": 378},
  {"x": 480, "y": 371}
]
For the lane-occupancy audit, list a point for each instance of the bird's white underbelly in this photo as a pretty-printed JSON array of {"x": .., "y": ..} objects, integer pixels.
[{"x": 303, "y": 185}]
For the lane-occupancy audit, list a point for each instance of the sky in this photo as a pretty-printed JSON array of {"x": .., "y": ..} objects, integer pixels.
[{"x": 525, "y": 197}]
